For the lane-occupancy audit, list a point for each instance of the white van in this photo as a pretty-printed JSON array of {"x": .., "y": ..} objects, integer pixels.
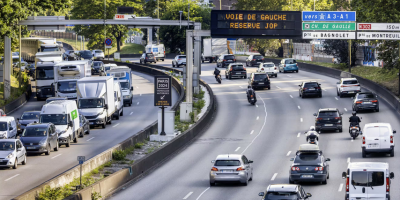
[
  {"x": 377, "y": 137},
  {"x": 157, "y": 50},
  {"x": 8, "y": 128},
  {"x": 119, "y": 102},
  {"x": 64, "y": 115},
  {"x": 368, "y": 181}
]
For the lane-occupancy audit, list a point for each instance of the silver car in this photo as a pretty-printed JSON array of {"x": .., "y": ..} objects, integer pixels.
[
  {"x": 12, "y": 153},
  {"x": 179, "y": 60},
  {"x": 231, "y": 168}
]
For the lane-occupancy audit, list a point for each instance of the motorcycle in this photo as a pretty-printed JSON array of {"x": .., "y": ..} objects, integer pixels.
[
  {"x": 354, "y": 131},
  {"x": 313, "y": 141},
  {"x": 251, "y": 100},
  {"x": 219, "y": 79}
]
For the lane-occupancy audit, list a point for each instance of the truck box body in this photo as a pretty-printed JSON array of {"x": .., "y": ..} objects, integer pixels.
[
  {"x": 213, "y": 48},
  {"x": 124, "y": 76},
  {"x": 44, "y": 73},
  {"x": 31, "y": 46},
  {"x": 157, "y": 50}
]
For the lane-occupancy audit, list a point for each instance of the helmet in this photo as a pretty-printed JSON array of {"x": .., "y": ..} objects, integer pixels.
[
  {"x": 312, "y": 128},
  {"x": 354, "y": 113},
  {"x": 249, "y": 86}
]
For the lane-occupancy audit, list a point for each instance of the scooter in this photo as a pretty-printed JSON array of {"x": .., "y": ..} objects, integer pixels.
[
  {"x": 251, "y": 100},
  {"x": 313, "y": 141},
  {"x": 354, "y": 131},
  {"x": 219, "y": 79}
]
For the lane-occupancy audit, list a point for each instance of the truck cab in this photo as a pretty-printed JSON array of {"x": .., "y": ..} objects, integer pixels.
[
  {"x": 124, "y": 76},
  {"x": 44, "y": 74}
]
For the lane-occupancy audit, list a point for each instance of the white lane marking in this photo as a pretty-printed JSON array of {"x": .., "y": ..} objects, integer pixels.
[
  {"x": 345, "y": 109},
  {"x": 237, "y": 149},
  {"x": 288, "y": 75},
  {"x": 274, "y": 176},
  {"x": 137, "y": 103},
  {"x": 336, "y": 98},
  {"x": 240, "y": 86},
  {"x": 298, "y": 135},
  {"x": 262, "y": 127},
  {"x": 291, "y": 96},
  {"x": 90, "y": 139},
  {"x": 298, "y": 107},
  {"x": 258, "y": 117},
  {"x": 56, "y": 156},
  {"x": 340, "y": 187},
  {"x": 115, "y": 125},
  {"x": 278, "y": 87},
  {"x": 348, "y": 160},
  {"x": 256, "y": 105},
  {"x": 301, "y": 119},
  {"x": 202, "y": 193},
  {"x": 140, "y": 94},
  {"x": 12, "y": 177},
  {"x": 188, "y": 195},
  {"x": 288, "y": 153},
  {"x": 252, "y": 131},
  {"x": 352, "y": 140},
  {"x": 131, "y": 113},
  {"x": 324, "y": 90},
  {"x": 137, "y": 86}
]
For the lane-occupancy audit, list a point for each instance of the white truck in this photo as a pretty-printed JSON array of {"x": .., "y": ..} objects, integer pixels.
[
  {"x": 66, "y": 74},
  {"x": 123, "y": 75},
  {"x": 31, "y": 46},
  {"x": 212, "y": 48},
  {"x": 157, "y": 50},
  {"x": 119, "y": 103},
  {"x": 44, "y": 74},
  {"x": 96, "y": 99}
]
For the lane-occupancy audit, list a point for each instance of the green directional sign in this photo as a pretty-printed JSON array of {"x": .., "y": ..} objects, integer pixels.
[{"x": 328, "y": 26}]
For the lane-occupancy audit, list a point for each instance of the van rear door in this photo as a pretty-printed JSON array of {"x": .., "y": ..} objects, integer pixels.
[
  {"x": 384, "y": 137},
  {"x": 376, "y": 184},
  {"x": 372, "y": 137},
  {"x": 358, "y": 181}
]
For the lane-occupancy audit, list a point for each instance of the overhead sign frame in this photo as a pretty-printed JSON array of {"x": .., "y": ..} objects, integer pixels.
[
  {"x": 329, "y": 16},
  {"x": 162, "y": 91},
  {"x": 329, "y": 35}
]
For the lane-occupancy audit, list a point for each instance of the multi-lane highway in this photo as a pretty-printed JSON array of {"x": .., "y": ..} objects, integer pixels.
[
  {"x": 268, "y": 134},
  {"x": 41, "y": 168}
]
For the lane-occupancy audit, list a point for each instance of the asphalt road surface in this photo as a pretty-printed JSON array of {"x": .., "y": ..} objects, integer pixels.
[
  {"x": 41, "y": 168},
  {"x": 268, "y": 134}
]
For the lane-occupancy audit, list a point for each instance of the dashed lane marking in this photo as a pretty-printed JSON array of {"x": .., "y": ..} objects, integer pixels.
[
  {"x": 237, "y": 149},
  {"x": 188, "y": 195},
  {"x": 340, "y": 187},
  {"x": 288, "y": 153},
  {"x": 115, "y": 125},
  {"x": 274, "y": 176},
  {"x": 251, "y": 133},
  {"x": 90, "y": 139},
  {"x": 12, "y": 177},
  {"x": 56, "y": 156}
]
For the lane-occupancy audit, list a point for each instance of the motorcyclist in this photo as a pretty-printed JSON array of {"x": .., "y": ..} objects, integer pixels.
[
  {"x": 216, "y": 73},
  {"x": 354, "y": 120},
  {"x": 312, "y": 134},
  {"x": 250, "y": 91}
]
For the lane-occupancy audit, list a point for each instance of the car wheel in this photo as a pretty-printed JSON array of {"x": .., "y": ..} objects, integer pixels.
[
  {"x": 117, "y": 117},
  {"x": 392, "y": 153},
  {"x": 81, "y": 134},
  {"x": 297, "y": 71},
  {"x": 48, "y": 150},
  {"x": 163, "y": 60},
  {"x": 340, "y": 95},
  {"x": 320, "y": 95},
  {"x": 173, "y": 65},
  {"x": 140, "y": 61},
  {"x": 327, "y": 177},
  {"x": 276, "y": 75},
  {"x": 56, "y": 148},
  {"x": 24, "y": 162},
  {"x": 377, "y": 109},
  {"x": 284, "y": 71},
  {"x": 246, "y": 182},
  {"x": 212, "y": 184},
  {"x": 76, "y": 139},
  {"x": 324, "y": 182},
  {"x": 245, "y": 76},
  {"x": 68, "y": 142},
  {"x": 226, "y": 76},
  {"x": 340, "y": 130},
  {"x": 269, "y": 87},
  {"x": 364, "y": 154},
  {"x": 15, "y": 164},
  {"x": 230, "y": 77},
  {"x": 290, "y": 181},
  {"x": 103, "y": 126},
  {"x": 251, "y": 177},
  {"x": 299, "y": 94},
  {"x": 122, "y": 113},
  {"x": 302, "y": 96},
  {"x": 337, "y": 92}
]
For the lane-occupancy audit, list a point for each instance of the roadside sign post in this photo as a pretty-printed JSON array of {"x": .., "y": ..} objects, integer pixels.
[
  {"x": 108, "y": 43},
  {"x": 162, "y": 95},
  {"x": 81, "y": 160}
]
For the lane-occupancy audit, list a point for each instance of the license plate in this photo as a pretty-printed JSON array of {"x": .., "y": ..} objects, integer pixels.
[
  {"x": 239, "y": 73},
  {"x": 351, "y": 92},
  {"x": 372, "y": 146},
  {"x": 367, "y": 102},
  {"x": 311, "y": 89},
  {"x": 307, "y": 176},
  {"x": 328, "y": 124},
  {"x": 258, "y": 62},
  {"x": 260, "y": 83},
  {"x": 30, "y": 147},
  {"x": 91, "y": 123},
  {"x": 226, "y": 171}
]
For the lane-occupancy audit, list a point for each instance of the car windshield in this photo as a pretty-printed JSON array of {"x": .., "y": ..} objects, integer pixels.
[
  {"x": 181, "y": 57},
  {"x": 3, "y": 126},
  {"x": 290, "y": 61},
  {"x": 86, "y": 53},
  {"x": 227, "y": 163},
  {"x": 366, "y": 96},
  {"x": 328, "y": 114},
  {"x": 107, "y": 68},
  {"x": 150, "y": 55},
  {"x": 366, "y": 178},
  {"x": 281, "y": 195},
  {"x": 98, "y": 52},
  {"x": 49, "y": 49},
  {"x": 307, "y": 157},
  {"x": 66, "y": 86},
  {"x": 91, "y": 103},
  {"x": 260, "y": 77},
  {"x": 7, "y": 146},
  {"x": 258, "y": 57},
  {"x": 56, "y": 119},
  {"x": 45, "y": 73},
  {"x": 310, "y": 85},
  {"x": 124, "y": 85},
  {"x": 30, "y": 116},
  {"x": 350, "y": 82},
  {"x": 377, "y": 131},
  {"x": 97, "y": 64},
  {"x": 269, "y": 65},
  {"x": 35, "y": 132},
  {"x": 229, "y": 57},
  {"x": 237, "y": 67}
]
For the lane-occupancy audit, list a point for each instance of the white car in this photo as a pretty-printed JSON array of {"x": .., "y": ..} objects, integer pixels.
[
  {"x": 348, "y": 86},
  {"x": 231, "y": 168},
  {"x": 377, "y": 137},
  {"x": 8, "y": 128},
  {"x": 98, "y": 53},
  {"x": 179, "y": 60},
  {"x": 268, "y": 68},
  {"x": 12, "y": 153}
]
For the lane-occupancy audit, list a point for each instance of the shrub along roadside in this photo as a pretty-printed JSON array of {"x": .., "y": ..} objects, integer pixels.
[{"x": 198, "y": 104}]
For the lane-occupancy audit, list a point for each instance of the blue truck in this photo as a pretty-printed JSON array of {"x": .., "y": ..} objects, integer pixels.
[{"x": 123, "y": 75}]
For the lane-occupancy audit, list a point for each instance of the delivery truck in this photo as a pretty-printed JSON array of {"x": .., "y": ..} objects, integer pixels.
[
  {"x": 157, "y": 50},
  {"x": 44, "y": 73},
  {"x": 212, "y": 48},
  {"x": 31, "y": 46},
  {"x": 123, "y": 75}
]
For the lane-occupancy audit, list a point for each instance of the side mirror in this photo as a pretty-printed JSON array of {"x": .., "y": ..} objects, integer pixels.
[
  {"x": 106, "y": 106},
  {"x": 309, "y": 195},
  {"x": 17, "y": 119},
  {"x": 344, "y": 175},
  {"x": 20, "y": 149},
  {"x": 11, "y": 128},
  {"x": 291, "y": 159},
  {"x": 131, "y": 88},
  {"x": 213, "y": 161},
  {"x": 391, "y": 176},
  {"x": 299, "y": 85},
  {"x": 328, "y": 159},
  {"x": 70, "y": 123},
  {"x": 250, "y": 161},
  {"x": 261, "y": 194},
  {"x": 394, "y": 131},
  {"x": 315, "y": 114},
  {"x": 352, "y": 97}
]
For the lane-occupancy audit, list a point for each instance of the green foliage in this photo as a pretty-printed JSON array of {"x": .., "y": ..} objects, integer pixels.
[
  {"x": 340, "y": 50},
  {"x": 199, "y": 104},
  {"x": 139, "y": 145},
  {"x": 95, "y": 196},
  {"x": 200, "y": 95},
  {"x": 51, "y": 194},
  {"x": 127, "y": 61},
  {"x": 108, "y": 164},
  {"x": 119, "y": 155}
]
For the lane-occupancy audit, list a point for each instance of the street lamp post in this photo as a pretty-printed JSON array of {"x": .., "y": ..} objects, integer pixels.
[{"x": 188, "y": 14}]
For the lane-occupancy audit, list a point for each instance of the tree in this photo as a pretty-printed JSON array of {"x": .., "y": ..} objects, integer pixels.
[
  {"x": 173, "y": 36},
  {"x": 14, "y": 10},
  {"x": 340, "y": 50},
  {"x": 94, "y": 9},
  {"x": 387, "y": 11}
]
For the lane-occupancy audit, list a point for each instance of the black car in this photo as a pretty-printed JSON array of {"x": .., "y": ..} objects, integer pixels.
[
  {"x": 30, "y": 69},
  {"x": 84, "y": 124},
  {"x": 98, "y": 68},
  {"x": 328, "y": 119},
  {"x": 310, "y": 88},
  {"x": 26, "y": 118},
  {"x": 309, "y": 165},
  {"x": 365, "y": 101},
  {"x": 225, "y": 59},
  {"x": 235, "y": 70},
  {"x": 40, "y": 138},
  {"x": 284, "y": 191},
  {"x": 86, "y": 55},
  {"x": 259, "y": 80},
  {"x": 147, "y": 58},
  {"x": 254, "y": 60},
  {"x": 70, "y": 55}
]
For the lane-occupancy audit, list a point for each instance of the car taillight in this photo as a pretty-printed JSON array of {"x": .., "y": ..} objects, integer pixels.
[
  {"x": 244, "y": 68},
  {"x": 275, "y": 68},
  {"x": 214, "y": 169},
  {"x": 251, "y": 96},
  {"x": 179, "y": 59},
  {"x": 347, "y": 184},
  {"x": 284, "y": 65},
  {"x": 240, "y": 169},
  {"x": 146, "y": 57},
  {"x": 363, "y": 140},
  {"x": 234, "y": 60},
  {"x": 319, "y": 169},
  {"x": 304, "y": 89},
  {"x": 337, "y": 117},
  {"x": 224, "y": 60},
  {"x": 254, "y": 59},
  {"x": 318, "y": 88},
  {"x": 358, "y": 102},
  {"x": 391, "y": 139},
  {"x": 295, "y": 169},
  {"x": 230, "y": 69},
  {"x": 319, "y": 119},
  {"x": 296, "y": 64},
  {"x": 262, "y": 69},
  {"x": 374, "y": 101},
  {"x": 387, "y": 184}
]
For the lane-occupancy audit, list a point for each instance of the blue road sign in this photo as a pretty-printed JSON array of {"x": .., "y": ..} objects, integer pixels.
[
  {"x": 81, "y": 162},
  {"x": 325, "y": 16},
  {"x": 108, "y": 41}
]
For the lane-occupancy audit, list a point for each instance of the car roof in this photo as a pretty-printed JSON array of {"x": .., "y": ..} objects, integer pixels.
[
  {"x": 228, "y": 55},
  {"x": 365, "y": 92},
  {"x": 327, "y": 109},
  {"x": 236, "y": 64},
  {"x": 376, "y": 124},
  {"x": 8, "y": 140},
  {"x": 61, "y": 98},
  {"x": 38, "y": 111},
  {"x": 229, "y": 157},
  {"x": 258, "y": 73},
  {"x": 38, "y": 124},
  {"x": 347, "y": 79},
  {"x": 269, "y": 63},
  {"x": 6, "y": 118},
  {"x": 308, "y": 147},
  {"x": 310, "y": 82},
  {"x": 366, "y": 165},
  {"x": 282, "y": 188}
]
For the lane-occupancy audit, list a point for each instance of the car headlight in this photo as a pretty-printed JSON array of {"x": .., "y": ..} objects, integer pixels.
[
  {"x": 61, "y": 132},
  {"x": 10, "y": 155},
  {"x": 127, "y": 96},
  {"x": 43, "y": 142},
  {"x": 37, "y": 90}
]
